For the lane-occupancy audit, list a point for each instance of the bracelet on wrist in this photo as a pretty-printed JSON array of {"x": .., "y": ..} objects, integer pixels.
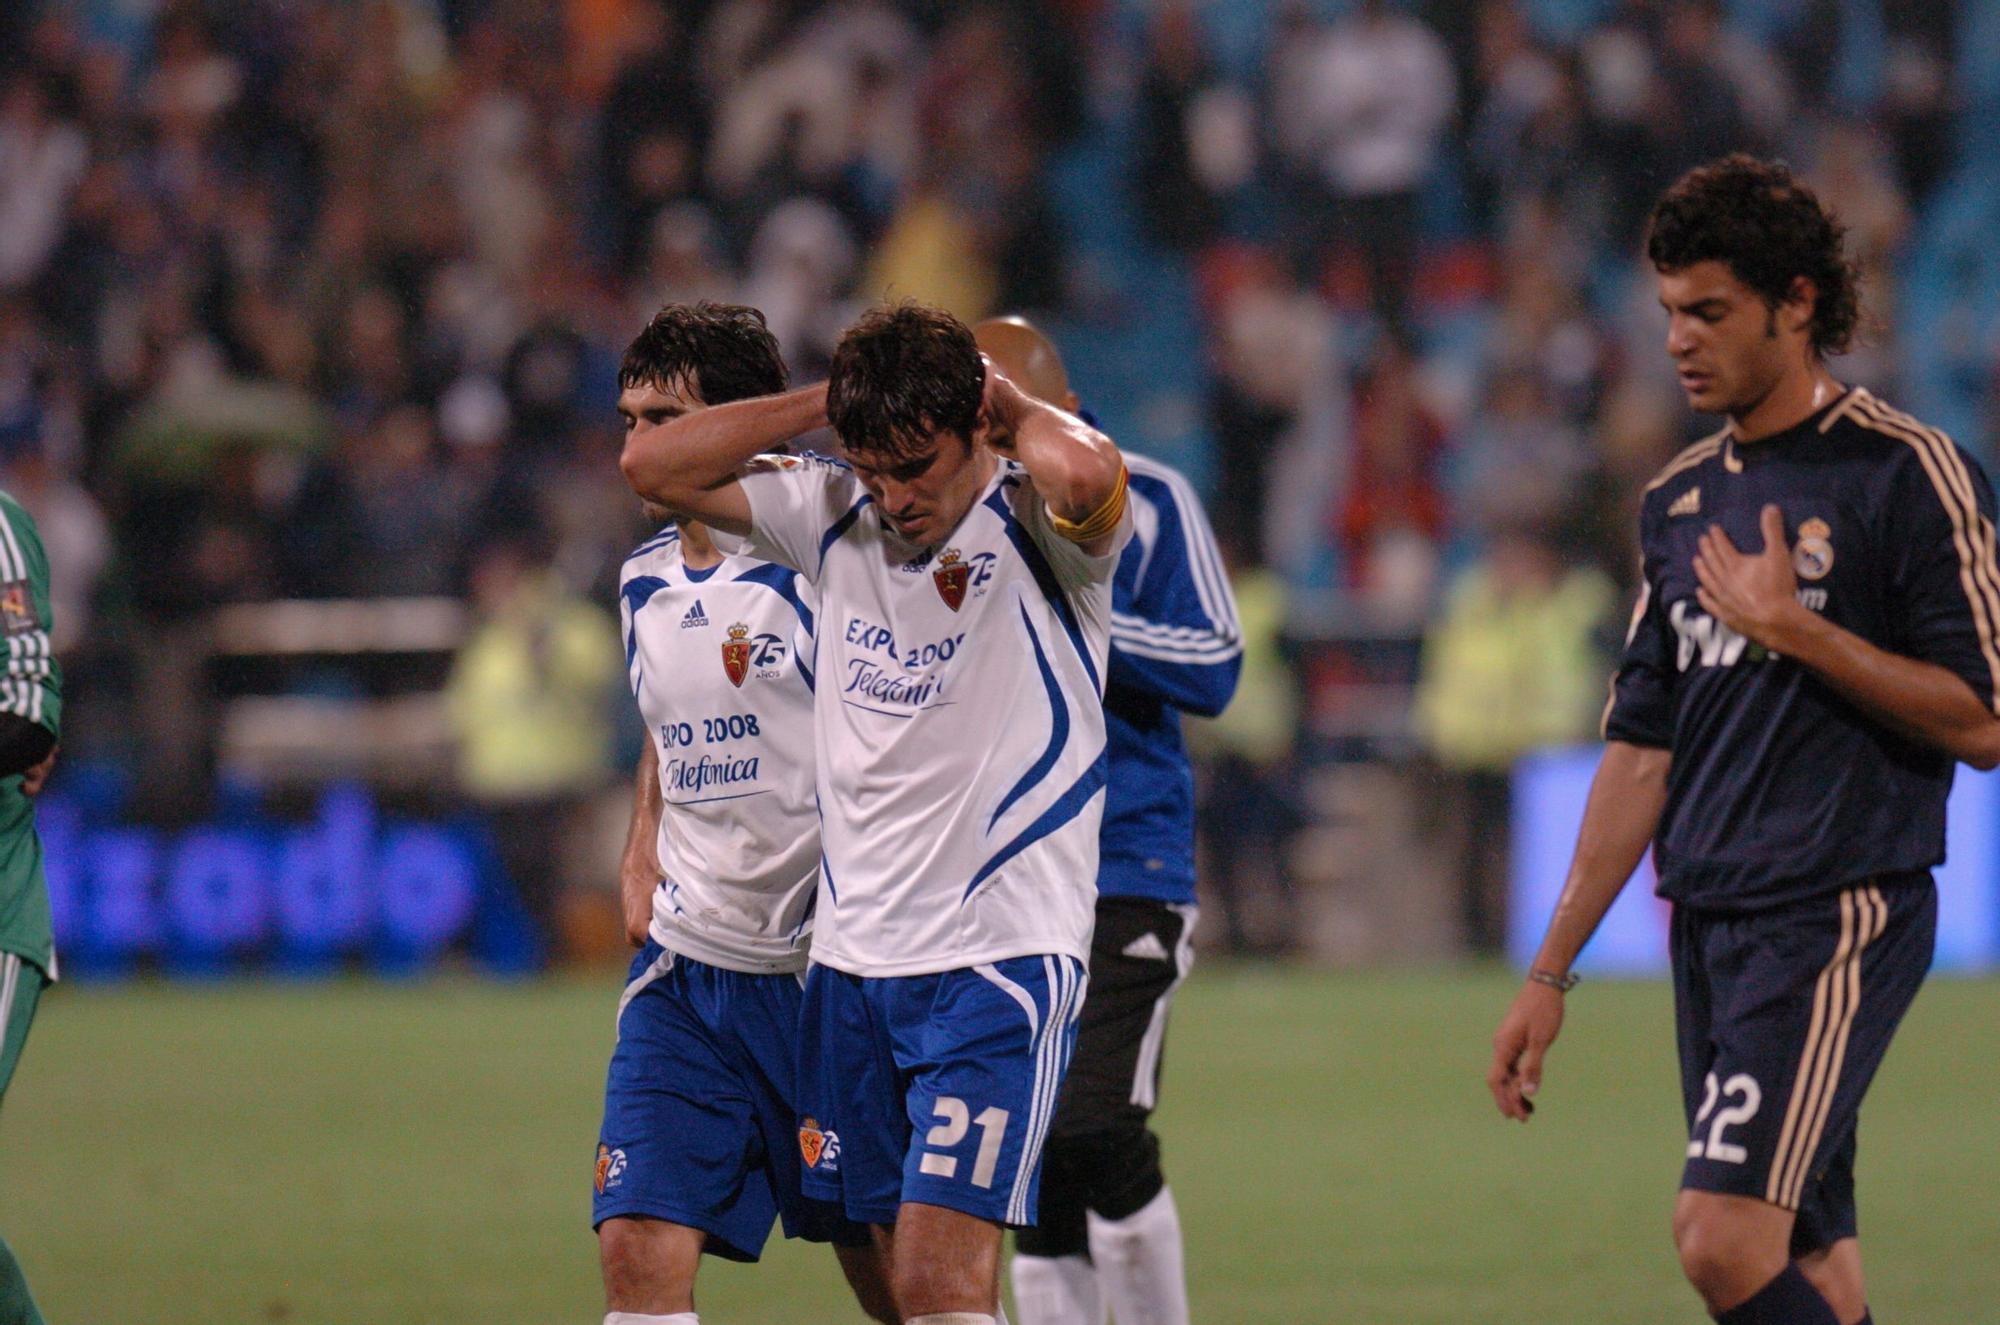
[{"x": 1562, "y": 983}]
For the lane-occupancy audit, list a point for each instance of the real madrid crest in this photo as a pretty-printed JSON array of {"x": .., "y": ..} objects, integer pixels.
[
  {"x": 1812, "y": 556},
  {"x": 950, "y": 577},
  {"x": 736, "y": 654}
]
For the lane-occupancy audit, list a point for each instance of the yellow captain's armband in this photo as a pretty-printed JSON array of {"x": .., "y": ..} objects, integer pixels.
[{"x": 1100, "y": 521}]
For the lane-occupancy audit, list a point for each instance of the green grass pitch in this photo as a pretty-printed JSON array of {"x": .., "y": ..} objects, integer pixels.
[{"x": 384, "y": 1153}]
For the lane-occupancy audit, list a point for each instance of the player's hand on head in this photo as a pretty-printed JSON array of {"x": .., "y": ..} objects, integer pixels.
[
  {"x": 1750, "y": 594},
  {"x": 999, "y": 409},
  {"x": 1531, "y": 1025}
]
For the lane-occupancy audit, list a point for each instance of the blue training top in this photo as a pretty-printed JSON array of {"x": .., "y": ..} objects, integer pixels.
[{"x": 1175, "y": 647}]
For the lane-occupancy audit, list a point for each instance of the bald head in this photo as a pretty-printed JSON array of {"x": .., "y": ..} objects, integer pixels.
[{"x": 1024, "y": 354}]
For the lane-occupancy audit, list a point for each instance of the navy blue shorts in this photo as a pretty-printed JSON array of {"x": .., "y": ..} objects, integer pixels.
[
  {"x": 935, "y": 1088},
  {"x": 1783, "y": 1017},
  {"x": 699, "y": 1122}
]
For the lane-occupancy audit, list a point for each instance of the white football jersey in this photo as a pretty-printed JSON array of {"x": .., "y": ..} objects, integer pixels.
[
  {"x": 959, "y": 721},
  {"x": 715, "y": 660}
]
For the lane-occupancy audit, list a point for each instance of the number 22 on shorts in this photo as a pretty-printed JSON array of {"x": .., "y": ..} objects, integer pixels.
[
  {"x": 1742, "y": 1084},
  {"x": 955, "y": 1121}
]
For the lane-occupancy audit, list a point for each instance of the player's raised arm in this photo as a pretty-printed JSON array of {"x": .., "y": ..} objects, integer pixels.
[
  {"x": 688, "y": 460},
  {"x": 1626, "y": 798},
  {"x": 1076, "y": 469}
]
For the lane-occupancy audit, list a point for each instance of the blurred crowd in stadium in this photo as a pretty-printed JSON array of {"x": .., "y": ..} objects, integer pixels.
[{"x": 324, "y": 299}]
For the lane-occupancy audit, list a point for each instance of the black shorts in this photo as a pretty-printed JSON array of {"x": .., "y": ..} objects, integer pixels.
[
  {"x": 1783, "y": 1017},
  {"x": 1139, "y": 955}
]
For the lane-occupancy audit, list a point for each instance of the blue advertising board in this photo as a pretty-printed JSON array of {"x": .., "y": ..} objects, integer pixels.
[
  {"x": 247, "y": 891},
  {"x": 1549, "y": 793}
]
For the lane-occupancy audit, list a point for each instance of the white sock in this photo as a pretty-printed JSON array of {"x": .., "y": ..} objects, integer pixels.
[
  {"x": 1057, "y": 1290},
  {"x": 639, "y": 1318},
  {"x": 1139, "y": 1264}
]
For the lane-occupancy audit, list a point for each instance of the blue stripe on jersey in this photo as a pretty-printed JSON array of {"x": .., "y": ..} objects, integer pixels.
[
  {"x": 1067, "y": 807},
  {"x": 637, "y": 592},
  {"x": 1058, "y": 728},
  {"x": 785, "y": 581},
  {"x": 667, "y": 535},
  {"x": 1045, "y": 580},
  {"x": 841, "y": 526}
]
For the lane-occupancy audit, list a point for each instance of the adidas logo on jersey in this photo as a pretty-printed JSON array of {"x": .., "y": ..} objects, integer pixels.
[
  {"x": 695, "y": 617},
  {"x": 1146, "y": 948},
  {"x": 1688, "y": 503}
]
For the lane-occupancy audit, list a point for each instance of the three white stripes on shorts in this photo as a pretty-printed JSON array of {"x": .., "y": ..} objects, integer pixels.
[{"x": 1046, "y": 1038}]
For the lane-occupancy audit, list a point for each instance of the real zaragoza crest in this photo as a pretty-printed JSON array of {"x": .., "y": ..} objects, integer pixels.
[
  {"x": 950, "y": 577},
  {"x": 811, "y": 1142},
  {"x": 736, "y": 654},
  {"x": 610, "y": 1167}
]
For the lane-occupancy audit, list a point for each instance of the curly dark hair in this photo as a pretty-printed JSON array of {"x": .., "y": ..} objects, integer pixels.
[
  {"x": 723, "y": 350},
  {"x": 902, "y": 373},
  {"x": 1769, "y": 230}
]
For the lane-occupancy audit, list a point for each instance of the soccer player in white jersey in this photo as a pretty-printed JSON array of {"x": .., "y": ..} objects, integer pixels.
[
  {"x": 963, "y": 553},
  {"x": 698, "y": 1149}
]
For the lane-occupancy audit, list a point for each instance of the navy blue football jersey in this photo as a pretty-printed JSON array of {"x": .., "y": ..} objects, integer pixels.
[{"x": 1779, "y": 788}]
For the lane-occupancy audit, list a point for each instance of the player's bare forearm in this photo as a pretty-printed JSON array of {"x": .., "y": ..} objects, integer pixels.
[
  {"x": 689, "y": 464},
  {"x": 1623, "y": 812},
  {"x": 1917, "y": 699},
  {"x": 639, "y": 867},
  {"x": 1627, "y": 796},
  {"x": 1075, "y": 467}
]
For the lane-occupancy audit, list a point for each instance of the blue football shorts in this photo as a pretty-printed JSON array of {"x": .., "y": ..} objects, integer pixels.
[
  {"x": 936, "y": 1088},
  {"x": 700, "y": 1126},
  {"x": 1784, "y": 1015}
]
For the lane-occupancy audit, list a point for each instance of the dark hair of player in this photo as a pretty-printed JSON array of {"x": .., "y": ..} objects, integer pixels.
[
  {"x": 723, "y": 350},
  {"x": 901, "y": 374},
  {"x": 1768, "y": 229}
]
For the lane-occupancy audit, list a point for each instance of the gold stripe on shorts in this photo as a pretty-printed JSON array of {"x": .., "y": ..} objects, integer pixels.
[
  {"x": 1836, "y": 998},
  {"x": 1873, "y": 916}
]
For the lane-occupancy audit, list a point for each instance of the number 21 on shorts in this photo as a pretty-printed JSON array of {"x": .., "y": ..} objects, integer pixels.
[
  {"x": 1746, "y": 1096},
  {"x": 955, "y": 1119}
]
